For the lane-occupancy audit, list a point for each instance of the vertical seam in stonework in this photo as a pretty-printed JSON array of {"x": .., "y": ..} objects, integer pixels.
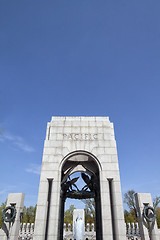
[{"x": 49, "y": 132}]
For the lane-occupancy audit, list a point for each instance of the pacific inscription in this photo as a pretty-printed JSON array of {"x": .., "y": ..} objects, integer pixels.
[{"x": 80, "y": 136}]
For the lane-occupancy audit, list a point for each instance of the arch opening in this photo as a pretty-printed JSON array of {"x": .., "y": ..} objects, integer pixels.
[{"x": 88, "y": 168}]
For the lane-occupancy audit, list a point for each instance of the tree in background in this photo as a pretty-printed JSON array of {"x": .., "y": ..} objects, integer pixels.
[
  {"x": 68, "y": 215},
  {"x": 156, "y": 201},
  {"x": 29, "y": 214},
  {"x": 89, "y": 210},
  {"x": 129, "y": 199},
  {"x": 128, "y": 217},
  {"x": 158, "y": 216},
  {"x": 2, "y": 207}
]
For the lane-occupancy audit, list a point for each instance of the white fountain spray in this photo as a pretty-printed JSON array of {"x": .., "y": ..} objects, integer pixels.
[{"x": 78, "y": 230}]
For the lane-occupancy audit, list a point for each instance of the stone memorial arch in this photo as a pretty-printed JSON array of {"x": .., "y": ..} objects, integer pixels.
[
  {"x": 86, "y": 145},
  {"x": 88, "y": 165}
]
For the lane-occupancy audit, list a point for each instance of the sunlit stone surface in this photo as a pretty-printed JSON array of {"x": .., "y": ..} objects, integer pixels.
[{"x": 88, "y": 139}]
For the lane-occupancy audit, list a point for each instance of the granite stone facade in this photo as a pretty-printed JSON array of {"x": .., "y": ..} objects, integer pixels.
[{"x": 81, "y": 138}]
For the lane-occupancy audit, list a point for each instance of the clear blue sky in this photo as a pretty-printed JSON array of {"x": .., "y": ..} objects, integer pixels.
[{"x": 79, "y": 58}]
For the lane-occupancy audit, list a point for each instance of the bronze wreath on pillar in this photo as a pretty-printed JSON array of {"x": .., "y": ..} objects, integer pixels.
[
  {"x": 145, "y": 213},
  {"x": 9, "y": 217}
]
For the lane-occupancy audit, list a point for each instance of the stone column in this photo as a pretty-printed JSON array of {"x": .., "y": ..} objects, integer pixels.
[
  {"x": 17, "y": 200},
  {"x": 118, "y": 214},
  {"x": 106, "y": 210},
  {"x": 143, "y": 199},
  {"x": 55, "y": 210},
  {"x": 41, "y": 212}
]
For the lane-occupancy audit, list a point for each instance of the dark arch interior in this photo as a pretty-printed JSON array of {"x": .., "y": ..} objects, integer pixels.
[{"x": 89, "y": 169}]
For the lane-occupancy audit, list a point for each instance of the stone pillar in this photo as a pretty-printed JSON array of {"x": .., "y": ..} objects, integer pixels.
[
  {"x": 106, "y": 210},
  {"x": 92, "y": 227},
  {"x": 55, "y": 209},
  {"x": 32, "y": 229},
  {"x": 143, "y": 199},
  {"x": 118, "y": 214},
  {"x": 17, "y": 200},
  {"x": 41, "y": 212},
  {"x": 47, "y": 214},
  {"x": 23, "y": 230},
  {"x": 87, "y": 227}
]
